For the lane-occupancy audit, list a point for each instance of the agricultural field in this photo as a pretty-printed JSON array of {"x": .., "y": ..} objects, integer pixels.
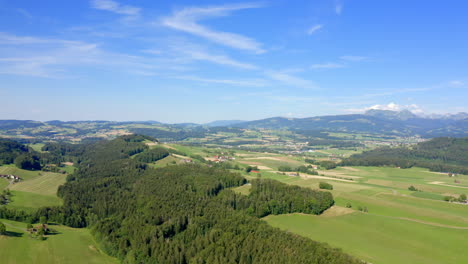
[
  {"x": 380, "y": 239},
  {"x": 401, "y": 226},
  {"x": 69, "y": 245},
  {"x": 36, "y": 189}
]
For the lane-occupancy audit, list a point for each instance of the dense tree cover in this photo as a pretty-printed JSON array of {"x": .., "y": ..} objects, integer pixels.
[
  {"x": 438, "y": 154},
  {"x": 327, "y": 164},
  {"x": 272, "y": 197},
  {"x": 168, "y": 135},
  {"x": 181, "y": 214},
  {"x": 28, "y": 161},
  {"x": 2, "y": 229},
  {"x": 152, "y": 155},
  {"x": 9, "y": 150}
]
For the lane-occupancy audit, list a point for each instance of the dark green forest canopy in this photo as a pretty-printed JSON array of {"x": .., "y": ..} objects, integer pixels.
[
  {"x": 9, "y": 150},
  {"x": 438, "y": 154},
  {"x": 181, "y": 214}
]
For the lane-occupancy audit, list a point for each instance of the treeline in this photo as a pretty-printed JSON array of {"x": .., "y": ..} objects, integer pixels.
[
  {"x": 335, "y": 143},
  {"x": 167, "y": 135},
  {"x": 10, "y": 149},
  {"x": 152, "y": 155},
  {"x": 304, "y": 169},
  {"x": 272, "y": 197},
  {"x": 439, "y": 154},
  {"x": 182, "y": 214},
  {"x": 19, "y": 154}
]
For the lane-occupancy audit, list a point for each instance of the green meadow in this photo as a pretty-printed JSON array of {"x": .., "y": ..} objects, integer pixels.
[
  {"x": 69, "y": 245},
  {"x": 380, "y": 239},
  {"x": 36, "y": 189},
  {"x": 401, "y": 226}
]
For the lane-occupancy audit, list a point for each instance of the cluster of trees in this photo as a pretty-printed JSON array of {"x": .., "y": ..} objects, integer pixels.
[
  {"x": 272, "y": 197},
  {"x": 327, "y": 164},
  {"x": 461, "y": 199},
  {"x": 5, "y": 196},
  {"x": 10, "y": 150},
  {"x": 28, "y": 161},
  {"x": 302, "y": 168},
  {"x": 152, "y": 155},
  {"x": 439, "y": 154},
  {"x": 2, "y": 229},
  {"x": 325, "y": 185}
]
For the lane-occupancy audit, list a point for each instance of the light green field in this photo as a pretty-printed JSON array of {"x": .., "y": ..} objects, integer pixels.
[
  {"x": 24, "y": 174},
  {"x": 379, "y": 239},
  {"x": 70, "y": 245},
  {"x": 244, "y": 189},
  {"x": 3, "y": 184},
  {"x": 37, "y": 189},
  {"x": 37, "y": 147},
  {"x": 29, "y": 201},
  {"x": 45, "y": 184},
  {"x": 402, "y": 226}
]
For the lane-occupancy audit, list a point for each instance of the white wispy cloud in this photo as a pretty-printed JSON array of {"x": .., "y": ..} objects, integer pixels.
[
  {"x": 187, "y": 20},
  {"x": 241, "y": 82},
  {"x": 456, "y": 83},
  {"x": 353, "y": 58},
  {"x": 291, "y": 80},
  {"x": 24, "y": 13},
  {"x": 338, "y": 7},
  {"x": 112, "y": 6},
  {"x": 54, "y": 58},
  {"x": 219, "y": 59},
  {"x": 329, "y": 65},
  {"x": 314, "y": 29}
]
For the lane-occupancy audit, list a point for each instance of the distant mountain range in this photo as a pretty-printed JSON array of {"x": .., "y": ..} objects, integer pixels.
[{"x": 402, "y": 123}]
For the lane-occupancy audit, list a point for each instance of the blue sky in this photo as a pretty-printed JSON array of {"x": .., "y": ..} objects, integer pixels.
[{"x": 180, "y": 61}]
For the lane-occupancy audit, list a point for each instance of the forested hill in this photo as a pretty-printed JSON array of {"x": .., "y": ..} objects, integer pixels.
[
  {"x": 10, "y": 150},
  {"x": 438, "y": 154},
  {"x": 181, "y": 213}
]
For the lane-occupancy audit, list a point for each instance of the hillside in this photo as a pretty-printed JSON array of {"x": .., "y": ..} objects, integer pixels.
[
  {"x": 184, "y": 214},
  {"x": 438, "y": 154},
  {"x": 377, "y": 122}
]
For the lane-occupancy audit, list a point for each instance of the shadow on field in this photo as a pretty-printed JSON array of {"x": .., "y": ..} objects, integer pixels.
[{"x": 13, "y": 234}]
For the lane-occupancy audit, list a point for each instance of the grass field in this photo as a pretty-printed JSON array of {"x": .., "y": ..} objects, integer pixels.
[
  {"x": 45, "y": 184},
  {"x": 37, "y": 147},
  {"x": 30, "y": 201},
  {"x": 70, "y": 245},
  {"x": 402, "y": 226},
  {"x": 37, "y": 188},
  {"x": 380, "y": 239},
  {"x": 24, "y": 174}
]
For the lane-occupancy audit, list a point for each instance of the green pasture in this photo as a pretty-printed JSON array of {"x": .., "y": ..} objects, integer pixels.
[
  {"x": 29, "y": 201},
  {"x": 379, "y": 239},
  {"x": 69, "y": 245}
]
